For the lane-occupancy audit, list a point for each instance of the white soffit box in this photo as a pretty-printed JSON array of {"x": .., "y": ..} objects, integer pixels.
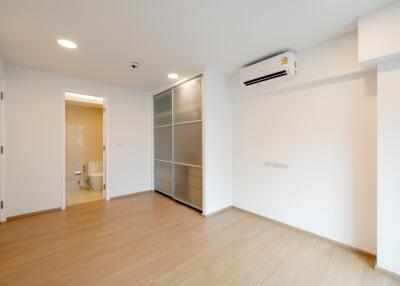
[
  {"x": 83, "y": 98},
  {"x": 378, "y": 35}
]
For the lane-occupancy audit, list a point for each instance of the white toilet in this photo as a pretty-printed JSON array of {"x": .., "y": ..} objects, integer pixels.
[{"x": 95, "y": 173}]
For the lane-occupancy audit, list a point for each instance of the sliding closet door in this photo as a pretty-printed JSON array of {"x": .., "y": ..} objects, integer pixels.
[
  {"x": 178, "y": 143},
  {"x": 187, "y": 143},
  {"x": 163, "y": 178}
]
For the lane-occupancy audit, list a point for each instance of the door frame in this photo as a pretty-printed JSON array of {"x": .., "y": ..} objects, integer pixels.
[
  {"x": 106, "y": 156},
  {"x": 2, "y": 156}
]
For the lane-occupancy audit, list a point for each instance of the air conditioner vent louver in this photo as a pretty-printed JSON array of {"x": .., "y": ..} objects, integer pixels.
[
  {"x": 265, "y": 78},
  {"x": 278, "y": 67}
]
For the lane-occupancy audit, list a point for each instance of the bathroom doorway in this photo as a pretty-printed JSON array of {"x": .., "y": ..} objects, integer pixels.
[{"x": 85, "y": 149}]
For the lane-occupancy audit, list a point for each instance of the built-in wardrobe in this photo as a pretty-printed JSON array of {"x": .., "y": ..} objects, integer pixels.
[{"x": 178, "y": 152}]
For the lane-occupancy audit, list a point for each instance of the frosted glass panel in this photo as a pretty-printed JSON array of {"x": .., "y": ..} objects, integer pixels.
[
  {"x": 187, "y": 101},
  {"x": 163, "y": 109},
  {"x": 178, "y": 143},
  {"x": 188, "y": 184},
  {"x": 163, "y": 177},
  {"x": 188, "y": 143},
  {"x": 163, "y": 143}
]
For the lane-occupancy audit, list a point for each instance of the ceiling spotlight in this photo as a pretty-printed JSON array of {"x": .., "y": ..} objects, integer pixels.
[
  {"x": 67, "y": 44},
  {"x": 173, "y": 76}
]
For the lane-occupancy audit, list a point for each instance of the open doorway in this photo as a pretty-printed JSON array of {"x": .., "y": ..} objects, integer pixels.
[{"x": 84, "y": 148}]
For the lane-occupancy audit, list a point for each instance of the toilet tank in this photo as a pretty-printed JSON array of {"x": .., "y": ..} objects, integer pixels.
[{"x": 95, "y": 167}]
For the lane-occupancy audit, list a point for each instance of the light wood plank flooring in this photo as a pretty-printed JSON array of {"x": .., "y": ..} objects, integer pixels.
[{"x": 151, "y": 240}]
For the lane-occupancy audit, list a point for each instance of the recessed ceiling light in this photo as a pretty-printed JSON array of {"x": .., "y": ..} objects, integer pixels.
[
  {"x": 67, "y": 44},
  {"x": 173, "y": 76}
]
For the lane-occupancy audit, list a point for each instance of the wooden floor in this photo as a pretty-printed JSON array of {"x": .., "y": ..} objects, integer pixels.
[{"x": 151, "y": 240}]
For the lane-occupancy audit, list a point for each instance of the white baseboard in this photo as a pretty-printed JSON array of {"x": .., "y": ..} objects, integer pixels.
[
  {"x": 217, "y": 212},
  {"x": 387, "y": 272}
]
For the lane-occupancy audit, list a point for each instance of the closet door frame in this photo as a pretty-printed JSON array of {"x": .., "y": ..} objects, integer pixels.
[
  {"x": 155, "y": 127},
  {"x": 173, "y": 124}
]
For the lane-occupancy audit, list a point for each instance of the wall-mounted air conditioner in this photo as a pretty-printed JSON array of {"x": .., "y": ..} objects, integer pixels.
[{"x": 282, "y": 66}]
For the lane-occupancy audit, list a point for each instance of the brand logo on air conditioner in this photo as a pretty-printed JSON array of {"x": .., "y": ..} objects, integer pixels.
[{"x": 284, "y": 61}]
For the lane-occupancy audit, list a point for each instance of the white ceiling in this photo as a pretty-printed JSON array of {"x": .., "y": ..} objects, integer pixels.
[{"x": 182, "y": 36}]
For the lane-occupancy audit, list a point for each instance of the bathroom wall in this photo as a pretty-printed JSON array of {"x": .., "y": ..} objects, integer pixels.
[{"x": 83, "y": 140}]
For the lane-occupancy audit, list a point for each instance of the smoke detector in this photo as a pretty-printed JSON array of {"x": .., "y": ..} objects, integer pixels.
[{"x": 134, "y": 65}]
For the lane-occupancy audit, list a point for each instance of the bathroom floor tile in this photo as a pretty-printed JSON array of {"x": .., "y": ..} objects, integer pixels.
[{"x": 82, "y": 196}]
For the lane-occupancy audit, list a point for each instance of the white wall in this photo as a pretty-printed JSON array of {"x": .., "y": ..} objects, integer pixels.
[
  {"x": 379, "y": 45},
  {"x": 388, "y": 166},
  {"x": 34, "y": 138},
  {"x": 217, "y": 143},
  {"x": 1, "y": 69},
  {"x": 323, "y": 127},
  {"x": 378, "y": 34}
]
